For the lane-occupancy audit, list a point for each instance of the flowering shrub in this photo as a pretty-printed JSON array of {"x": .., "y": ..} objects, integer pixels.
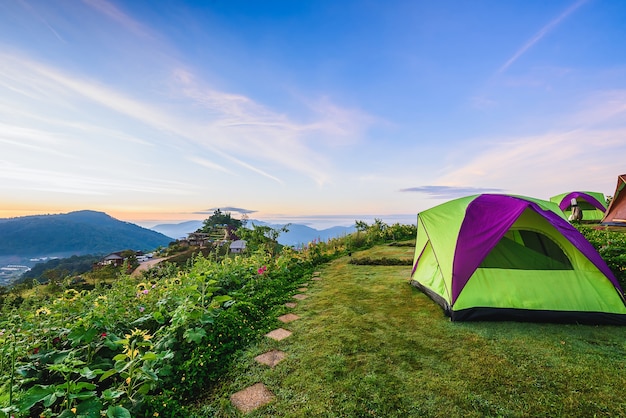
[
  {"x": 147, "y": 346},
  {"x": 141, "y": 345}
]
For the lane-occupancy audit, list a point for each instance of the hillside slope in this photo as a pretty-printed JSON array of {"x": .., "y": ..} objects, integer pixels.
[{"x": 81, "y": 232}]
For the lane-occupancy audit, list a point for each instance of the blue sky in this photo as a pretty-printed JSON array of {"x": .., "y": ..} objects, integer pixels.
[{"x": 320, "y": 112}]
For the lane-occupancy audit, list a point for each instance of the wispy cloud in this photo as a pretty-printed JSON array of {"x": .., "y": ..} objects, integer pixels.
[
  {"x": 542, "y": 165},
  {"x": 233, "y": 127},
  {"x": 111, "y": 11},
  {"x": 209, "y": 164},
  {"x": 542, "y": 33},
  {"x": 18, "y": 177},
  {"x": 450, "y": 192},
  {"x": 37, "y": 16}
]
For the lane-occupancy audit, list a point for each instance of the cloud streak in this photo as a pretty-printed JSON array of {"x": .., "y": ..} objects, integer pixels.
[
  {"x": 542, "y": 33},
  {"x": 233, "y": 127}
]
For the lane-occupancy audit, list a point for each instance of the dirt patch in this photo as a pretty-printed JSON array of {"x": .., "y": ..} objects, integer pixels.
[{"x": 146, "y": 265}]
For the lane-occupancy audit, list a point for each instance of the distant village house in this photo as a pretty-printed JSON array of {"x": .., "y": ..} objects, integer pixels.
[{"x": 238, "y": 246}]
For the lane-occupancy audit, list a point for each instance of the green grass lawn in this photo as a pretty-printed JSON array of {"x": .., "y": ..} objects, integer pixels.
[{"x": 370, "y": 345}]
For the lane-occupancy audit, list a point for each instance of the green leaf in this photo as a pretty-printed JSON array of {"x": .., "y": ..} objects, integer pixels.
[
  {"x": 80, "y": 334},
  {"x": 89, "y": 408},
  {"x": 149, "y": 355},
  {"x": 76, "y": 335},
  {"x": 118, "y": 412},
  {"x": 83, "y": 395},
  {"x": 207, "y": 319},
  {"x": 34, "y": 395},
  {"x": 221, "y": 299},
  {"x": 110, "y": 394},
  {"x": 141, "y": 320},
  {"x": 84, "y": 385},
  {"x": 50, "y": 399},
  {"x": 158, "y": 316},
  {"x": 195, "y": 334},
  {"x": 87, "y": 373},
  {"x": 119, "y": 357},
  {"x": 107, "y": 374}
]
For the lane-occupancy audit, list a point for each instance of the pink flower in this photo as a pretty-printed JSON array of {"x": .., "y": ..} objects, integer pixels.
[
  {"x": 262, "y": 270},
  {"x": 145, "y": 291},
  {"x": 141, "y": 309}
]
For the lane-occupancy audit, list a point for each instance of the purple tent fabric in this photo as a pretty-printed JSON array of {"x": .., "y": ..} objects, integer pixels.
[
  {"x": 566, "y": 201},
  {"x": 488, "y": 218}
]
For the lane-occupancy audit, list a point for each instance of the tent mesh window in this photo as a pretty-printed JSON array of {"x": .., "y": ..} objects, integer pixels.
[{"x": 528, "y": 250}]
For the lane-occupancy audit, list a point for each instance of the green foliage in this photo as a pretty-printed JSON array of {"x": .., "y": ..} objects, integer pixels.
[
  {"x": 149, "y": 345},
  {"x": 612, "y": 247},
  {"x": 140, "y": 346},
  {"x": 378, "y": 233},
  {"x": 61, "y": 267},
  {"x": 220, "y": 219},
  {"x": 262, "y": 238},
  {"x": 384, "y": 261}
]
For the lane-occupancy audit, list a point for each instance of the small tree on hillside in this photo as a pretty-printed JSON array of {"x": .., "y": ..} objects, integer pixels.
[
  {"x": 261, "y": 237},
  {"x": 220, "y": 219}
]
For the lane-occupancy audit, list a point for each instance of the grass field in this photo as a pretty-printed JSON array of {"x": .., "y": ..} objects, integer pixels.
[{"x": 370, "y": 345}]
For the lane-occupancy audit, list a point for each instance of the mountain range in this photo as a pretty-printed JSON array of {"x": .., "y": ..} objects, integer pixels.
[
  {"x": 22, "y": 239},
  {"x": 74, "y": 233},
  {"x": 297, "y": 234}
]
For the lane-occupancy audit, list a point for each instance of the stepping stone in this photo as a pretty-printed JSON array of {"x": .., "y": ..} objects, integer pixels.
[
  {"x": 300, "y": 296},
  {"x": 278, "y": 334},
  {"x": 303, "y": 289},
  {"x": 316, "y": 273},
  {"x": 271, "y": 358},
  {"x": 291, "y": 304},
  {"x": 251, "y": 398},
  {"x": 317, "y": 279},
  {"x": 288, "y": 317}
]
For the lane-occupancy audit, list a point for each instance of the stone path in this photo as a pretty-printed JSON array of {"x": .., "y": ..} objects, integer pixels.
[
  {"x": 251, "y": 398},
  {"x": 258, "y": 395}
]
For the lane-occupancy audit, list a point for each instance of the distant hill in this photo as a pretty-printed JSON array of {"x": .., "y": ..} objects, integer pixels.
[
  {"x": 298, "y": 234},
  {"x": 178, "y": 231},
  {"x": 74, "y": 233}
]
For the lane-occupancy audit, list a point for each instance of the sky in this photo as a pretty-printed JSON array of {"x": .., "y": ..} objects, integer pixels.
[{"x": 319, "y": 112}]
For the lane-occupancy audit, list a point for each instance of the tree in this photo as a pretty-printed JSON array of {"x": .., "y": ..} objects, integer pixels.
[
  {"x": 261, "y": 237},
  {"x": 219, "y": 218}
]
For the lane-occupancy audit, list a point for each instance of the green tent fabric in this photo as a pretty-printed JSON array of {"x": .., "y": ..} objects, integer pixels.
[
  {"x": 502, "y": 257},
  {"x": 592, "y": 204}
]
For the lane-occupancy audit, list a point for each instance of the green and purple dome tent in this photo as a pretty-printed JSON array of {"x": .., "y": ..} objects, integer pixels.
[
  {"x": 502, "y": 257},
  {"x": 592, "y": 204}
]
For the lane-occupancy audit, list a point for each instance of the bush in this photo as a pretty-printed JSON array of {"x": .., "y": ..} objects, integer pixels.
[
  {"x": 612, "y": 247},
  {"x": 384, "y": 261}
]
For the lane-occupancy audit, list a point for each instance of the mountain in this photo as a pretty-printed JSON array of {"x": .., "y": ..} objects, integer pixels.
[
  {"x": 74, "y": 233},
  {"x": 298, "y": 234},
  {"x": 178, "y": 231}
]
